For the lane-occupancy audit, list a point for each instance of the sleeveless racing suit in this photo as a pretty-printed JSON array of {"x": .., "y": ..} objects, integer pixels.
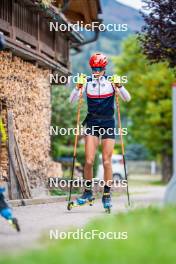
[{"x": 100, "y": 95}]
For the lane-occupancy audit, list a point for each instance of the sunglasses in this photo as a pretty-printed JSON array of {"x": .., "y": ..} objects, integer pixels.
[{"x": 97, "y": 69}]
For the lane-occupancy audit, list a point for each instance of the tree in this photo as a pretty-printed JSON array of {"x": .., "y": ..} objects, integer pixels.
[
  {"x": 158, "y": 36},
  {"x": 136, "y": 152},
  {"x": 149, "y": 111}
]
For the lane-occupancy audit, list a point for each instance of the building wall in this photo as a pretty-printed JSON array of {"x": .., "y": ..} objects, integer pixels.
[{"x": 27, "y": 90}]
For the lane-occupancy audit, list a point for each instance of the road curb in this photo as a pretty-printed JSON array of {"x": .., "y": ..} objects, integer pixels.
[{"x": 35, "y": 201}]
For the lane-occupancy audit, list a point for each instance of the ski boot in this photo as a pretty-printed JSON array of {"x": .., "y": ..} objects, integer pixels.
[
  {"x": 6, "y": 211},
  {"x": 86, "y": 198},
  {"x": 106, "y": 200}
]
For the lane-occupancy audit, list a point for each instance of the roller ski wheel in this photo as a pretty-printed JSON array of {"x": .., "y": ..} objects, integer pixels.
[
  {"x": 15, "y": 224},
  {"x": 106, "y": 200},
  {"x": 108, "y": 210},
  {"x": 91, "y": 202},
  {"x": 70, "y": 206},
  {"x": 77, "y": 204}
]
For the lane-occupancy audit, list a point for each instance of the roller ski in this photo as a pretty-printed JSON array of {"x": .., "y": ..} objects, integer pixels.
[
  {"x": 86, "y": 199},
  {"x": 14, "y": 223},
  {"x": 107, "y": 204},
  {"x": 6, "y": 212}
]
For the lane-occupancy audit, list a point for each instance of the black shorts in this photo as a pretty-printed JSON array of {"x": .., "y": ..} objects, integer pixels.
[{"x": 100, "y": 132}]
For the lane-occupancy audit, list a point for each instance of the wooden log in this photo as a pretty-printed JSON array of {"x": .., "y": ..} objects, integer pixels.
[
  {"x": 14, "y": 186},
  {"x": 23, "y": 171}
]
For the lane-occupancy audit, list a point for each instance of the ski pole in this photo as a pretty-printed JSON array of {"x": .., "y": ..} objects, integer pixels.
[
  {"x": 122, "y": 144},
  {"x": 75, "y": 144}
]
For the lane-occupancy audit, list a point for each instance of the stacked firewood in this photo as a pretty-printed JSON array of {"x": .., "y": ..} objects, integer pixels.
[{"x": 27, "y": 90}]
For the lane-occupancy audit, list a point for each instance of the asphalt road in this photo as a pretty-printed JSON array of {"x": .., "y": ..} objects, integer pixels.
[{"x": 37, "y": 220}]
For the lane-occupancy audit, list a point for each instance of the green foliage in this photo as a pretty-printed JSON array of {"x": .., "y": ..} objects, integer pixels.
[
  {"x": 151, "y": 239},
  {"x": 63, "y": 116},
  {"x": 149, "y": 111},
  {"x": 159, "y": 34},
  {"x": 60, "y": 192},
  {"x": 62, "y": 150},
  {"x": 136, "y": 152}
]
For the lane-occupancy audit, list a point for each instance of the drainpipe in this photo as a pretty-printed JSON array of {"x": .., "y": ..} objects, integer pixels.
[
  {"x": 170, "y": 195},
  {"x": 65, "y": 6}
]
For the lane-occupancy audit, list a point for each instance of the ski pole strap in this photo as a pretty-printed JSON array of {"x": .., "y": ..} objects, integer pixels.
[
  {"x": 82, "y": 79},
  {"x": 106, "y": 194}
]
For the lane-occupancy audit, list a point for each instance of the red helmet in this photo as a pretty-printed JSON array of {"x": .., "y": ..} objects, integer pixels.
[{"x": 98, "y": 60}]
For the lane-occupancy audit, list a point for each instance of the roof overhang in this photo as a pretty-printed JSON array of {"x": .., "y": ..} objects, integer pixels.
[
  {"x": 54, "y": 15},
  {"x": 86, "y": 11}
]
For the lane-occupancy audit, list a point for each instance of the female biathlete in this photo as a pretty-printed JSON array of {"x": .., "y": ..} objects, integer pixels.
[{"x": 100, "y": 123}]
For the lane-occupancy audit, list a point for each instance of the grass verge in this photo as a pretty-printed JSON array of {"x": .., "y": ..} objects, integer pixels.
[{"x": 151, "y": 239}]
